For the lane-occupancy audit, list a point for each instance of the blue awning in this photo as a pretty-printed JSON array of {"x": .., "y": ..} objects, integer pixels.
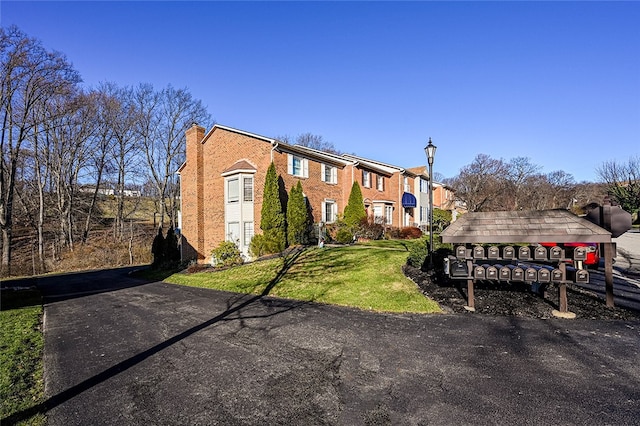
[{"x": 409, "y": 200}]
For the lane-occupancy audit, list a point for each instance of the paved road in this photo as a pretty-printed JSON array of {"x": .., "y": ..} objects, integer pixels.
[
  {"x": 154, "y": 353},
  {"x": 626, "y": 268},
  {"x": 628, "y": 253}
]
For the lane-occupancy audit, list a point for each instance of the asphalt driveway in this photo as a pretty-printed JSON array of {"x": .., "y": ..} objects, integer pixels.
[{"x": 121, "y": 351}]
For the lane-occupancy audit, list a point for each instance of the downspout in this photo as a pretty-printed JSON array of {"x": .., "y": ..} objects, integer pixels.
[{"x": 274, "y": 146}]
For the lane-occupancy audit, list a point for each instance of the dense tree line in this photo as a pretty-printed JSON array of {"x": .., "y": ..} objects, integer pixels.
[
  {"x": 489, "y": 184},
  {"x": 64, "y": 144},
  {"x": 623, "y": 182}
]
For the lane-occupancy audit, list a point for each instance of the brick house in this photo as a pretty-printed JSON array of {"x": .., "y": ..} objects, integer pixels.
[
  {"x": 222, "y": 184},
  {"x": 443, "y": 197}
]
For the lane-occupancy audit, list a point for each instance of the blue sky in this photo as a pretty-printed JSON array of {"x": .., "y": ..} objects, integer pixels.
[{"x": 558, "y": 82}]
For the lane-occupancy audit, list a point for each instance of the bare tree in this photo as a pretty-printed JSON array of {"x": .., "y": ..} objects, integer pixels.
[
  {"x": 519, "y": 171},
  {"x": 126, "y": 150},
  {"x": 316, "y": 142},
  {"x": 481, "y": 184},
  {"x": 310, "y": 140},
  {"x": 163, "y": 118},
  {"x": 31, "y": 76},
  {"x": 623, "y": 181},
  {"x": 69, "y": 139},
  {"x": 98, "y": 158}
]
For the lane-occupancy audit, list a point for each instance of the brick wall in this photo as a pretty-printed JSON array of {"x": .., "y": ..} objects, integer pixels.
[{"x": 208, "y": 156}]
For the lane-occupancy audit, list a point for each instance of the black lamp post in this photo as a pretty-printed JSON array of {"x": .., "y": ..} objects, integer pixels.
[{"x": 430, "y": 150}]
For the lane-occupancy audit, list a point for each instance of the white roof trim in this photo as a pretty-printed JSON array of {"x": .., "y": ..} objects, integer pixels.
[
  {"x": 313, "y": 154},
  {"x": 389, "y": 168},
  {"x": 242, "y": 132},
  {"x": 239, "y": 171},
  {"x": 374, "y": 165}
]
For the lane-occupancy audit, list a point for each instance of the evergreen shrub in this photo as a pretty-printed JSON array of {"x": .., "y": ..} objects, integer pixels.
[
  {"x": 344, "y": 236},
  {"x": 226, "y": 254}
]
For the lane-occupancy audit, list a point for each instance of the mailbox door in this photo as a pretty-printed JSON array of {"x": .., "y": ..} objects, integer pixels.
[
  {"x": 478, "y": 252},
  {"x": 517, "y": 274},
  {"x": 555, "y": 253},
  {"x": 540, "y": 253},
  {"x": 493, "y": 252},
  {"x": 557, "y": 276},
  {"x": 524, "y": 253},
  {"x": 478, "y": 272},
  {"x": 492, "y": 273},
  {"x": 508, "y": 252},
  {"x": 504, "y": 273},
  {"x": 580, "y": 253},
  {"x": 544, "y": 276}
]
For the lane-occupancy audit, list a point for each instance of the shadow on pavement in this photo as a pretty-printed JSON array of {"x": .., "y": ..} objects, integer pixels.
[{"x": 87, "y": 384}]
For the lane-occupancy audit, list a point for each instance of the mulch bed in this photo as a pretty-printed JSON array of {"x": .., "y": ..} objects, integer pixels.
[{"x": 514, "y": 299}]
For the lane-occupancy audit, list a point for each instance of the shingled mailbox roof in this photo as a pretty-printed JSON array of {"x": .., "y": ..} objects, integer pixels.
[{"x": 532, "y": 226}]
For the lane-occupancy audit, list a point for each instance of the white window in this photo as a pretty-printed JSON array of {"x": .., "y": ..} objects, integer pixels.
[
  {"x": 328, "y": 173},
  {"x": 233, "y": 232},
  {"x": 233, "y": 190},
  {"x": 377, "y": 214},
  {"x": 329, "y": 211},
  {"x": 407, "y": 188},
  {"x": 424, "y": 185},
  {"x": 248, "y": 233},
  {"x": 247, "y": 190},
  {"x": 388, "y": 215},
  {"x": 424, "y": 214},
  {"x": 380, "y": 182},
  {"x": 297, "y": 166},
  {"x": 366, "y": 179}
]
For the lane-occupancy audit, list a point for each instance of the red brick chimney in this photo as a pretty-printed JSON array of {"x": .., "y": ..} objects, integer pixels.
[{"x": 192, "y": 177}]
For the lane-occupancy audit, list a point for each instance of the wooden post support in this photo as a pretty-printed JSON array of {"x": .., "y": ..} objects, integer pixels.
[
  {"x": 562, "y": 302},
  {"x": 562, "y": 290},
  {"x": 470, "y": 299},
  {"x": 608, "y": 272}
]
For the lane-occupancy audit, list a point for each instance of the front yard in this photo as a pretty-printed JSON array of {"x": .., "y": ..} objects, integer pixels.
[
  {"x": 21, "y": 346},
  {"x": 365, "y": 276}
]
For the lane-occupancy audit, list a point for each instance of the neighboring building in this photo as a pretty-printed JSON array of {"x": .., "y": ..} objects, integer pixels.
[
  {"x": 222, "y": 184},
  {"x": 443, "y": 197}
]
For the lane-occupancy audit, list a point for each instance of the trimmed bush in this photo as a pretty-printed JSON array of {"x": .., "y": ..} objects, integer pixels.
[
  {"x": 410, "y": 233},
  {"x": 226, "y": 254},
  {"x": 262, "y": 244},
  {"x": 418, "y": 253},
  {"x": 344, "y": 236},
  {"x": 370, "y": 230}
]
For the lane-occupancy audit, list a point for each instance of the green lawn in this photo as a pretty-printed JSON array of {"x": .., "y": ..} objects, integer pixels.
[
  {"x": 21, "y": 348},
  {"x": 366, "y": 276}
]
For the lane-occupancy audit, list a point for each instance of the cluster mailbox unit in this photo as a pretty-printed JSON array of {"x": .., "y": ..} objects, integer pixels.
[
  {"x": 508, "y": 246},
  {"x": 516, "y": 264}
]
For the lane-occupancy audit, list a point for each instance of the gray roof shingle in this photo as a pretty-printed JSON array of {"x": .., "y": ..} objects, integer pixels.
[{"x": 528, "y": 226}]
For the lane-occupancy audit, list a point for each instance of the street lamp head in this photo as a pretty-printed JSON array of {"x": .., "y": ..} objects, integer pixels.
[{"x": 430, "y": 150}]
